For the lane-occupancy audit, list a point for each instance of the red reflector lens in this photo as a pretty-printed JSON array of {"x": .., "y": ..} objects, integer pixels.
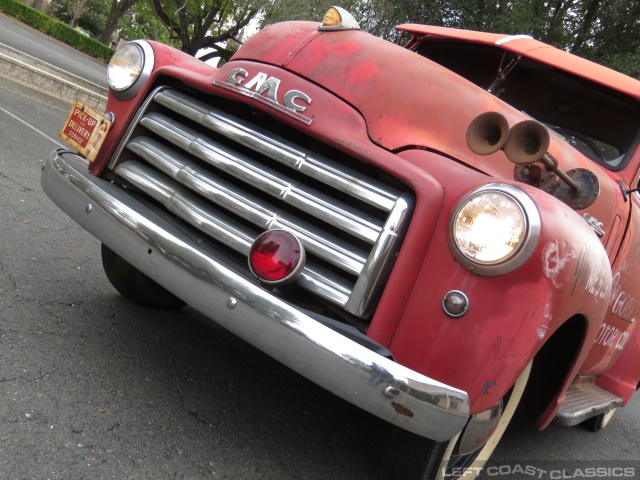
[{"x": 276, "y": 256}]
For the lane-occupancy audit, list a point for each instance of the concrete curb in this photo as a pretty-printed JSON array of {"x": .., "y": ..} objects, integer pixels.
[{"x": 33, "y": 78}]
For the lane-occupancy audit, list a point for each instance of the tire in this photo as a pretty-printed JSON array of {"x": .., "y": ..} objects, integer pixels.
[
  {"x": 134, "y": 285},
  {"x": 599, "y": 421},
  {"x": 412, "y": 457}
]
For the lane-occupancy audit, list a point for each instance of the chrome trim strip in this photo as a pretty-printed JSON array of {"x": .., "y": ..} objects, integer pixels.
[
  {"x": 246, "y": 206},
  {"x": 188, "y": 206},
  {"x": 158, "y": 247},
  {"x": 263, "y": 178},
  {"x": 283, "y": 151},
  {"x": 504, "y": 40},
  {"x": 370, "y": 282},
  {"x": 216, "y": 224},
  {"x": 134, "y": 122}
]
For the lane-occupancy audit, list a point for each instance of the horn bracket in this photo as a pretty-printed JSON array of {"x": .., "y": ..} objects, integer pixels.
[
  {"x": 525, "y": 144},
  {"x": 588, "y": 187}
]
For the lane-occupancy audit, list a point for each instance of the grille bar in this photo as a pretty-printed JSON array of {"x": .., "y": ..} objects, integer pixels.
[
  {"x": 198, "y": 213},
  {"x": 247, "y": 206},
  {"x": 232, "y": 180},
  {"x": 378, "y": 266},
  {"x": 288, "y": 153},
  {"x": 263, "y": 178}
]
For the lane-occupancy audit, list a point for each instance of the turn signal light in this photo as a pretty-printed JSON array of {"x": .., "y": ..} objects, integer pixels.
[
  {"x": 331, "y": 18},
  {"x": 337, "y": 18},
  {"x": 276, "y": 257}
]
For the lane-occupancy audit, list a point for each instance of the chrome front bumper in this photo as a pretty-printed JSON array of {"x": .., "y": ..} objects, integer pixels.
[{"x": 176, "y": 259}]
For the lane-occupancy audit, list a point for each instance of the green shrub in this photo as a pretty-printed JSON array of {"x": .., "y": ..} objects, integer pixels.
[{"x": 55, "y": 29}]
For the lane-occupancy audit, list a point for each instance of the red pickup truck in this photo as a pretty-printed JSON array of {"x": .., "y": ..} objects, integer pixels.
[{"x": 436, "y": 232}]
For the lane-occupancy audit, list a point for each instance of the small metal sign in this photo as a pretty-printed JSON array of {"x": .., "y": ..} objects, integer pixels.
[{"x": 85, "y": 130}]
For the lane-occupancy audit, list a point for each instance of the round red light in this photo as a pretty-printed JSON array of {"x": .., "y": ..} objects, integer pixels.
[{"x": 276, "y": 256}]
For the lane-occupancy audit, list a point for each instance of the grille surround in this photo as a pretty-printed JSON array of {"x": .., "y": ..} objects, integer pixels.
[{"x": 215, "y": 171}]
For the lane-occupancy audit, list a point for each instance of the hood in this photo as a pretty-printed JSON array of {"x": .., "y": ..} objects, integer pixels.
[{"x": 407, "y": 100}]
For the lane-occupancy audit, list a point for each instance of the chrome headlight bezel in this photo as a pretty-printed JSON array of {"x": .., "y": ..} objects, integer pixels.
[
  {"x": 524, "y": 248},
  {"x": 144, "y": 69}
]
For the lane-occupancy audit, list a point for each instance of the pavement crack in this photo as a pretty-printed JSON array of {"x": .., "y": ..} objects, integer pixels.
[
  {"x": 23, "y": 188},
  {"x": 194, "y": 414},
  {"x": 40, "y": 333},
  {"x": 14, "y": 284}
]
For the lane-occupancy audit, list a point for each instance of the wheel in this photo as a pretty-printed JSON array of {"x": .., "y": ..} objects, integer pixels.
[
  {"x": 412, "y": 457},
  {"x": 599, "y": 421},
  {"x": 134, "y": 285}
]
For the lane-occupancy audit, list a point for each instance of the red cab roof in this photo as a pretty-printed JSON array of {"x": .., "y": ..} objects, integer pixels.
[{"x": 528, "y": 47}]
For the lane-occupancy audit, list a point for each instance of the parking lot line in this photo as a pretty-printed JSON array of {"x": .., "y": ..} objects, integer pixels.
[{"x": 32, "y": 127}]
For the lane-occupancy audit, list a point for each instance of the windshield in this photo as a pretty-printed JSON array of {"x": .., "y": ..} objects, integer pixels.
[{"x": 600, "y": 123}]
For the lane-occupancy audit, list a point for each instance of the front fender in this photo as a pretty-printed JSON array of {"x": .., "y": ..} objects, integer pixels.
[
  {"x": 511, "y": 316},
  {"x": 166, "y": 61}
]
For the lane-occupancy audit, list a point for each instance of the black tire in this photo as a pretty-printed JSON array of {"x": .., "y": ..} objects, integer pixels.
[
  {"x": 599, "y": 421},
  {"x": 134, "y": 285},
  {"x": 411, "y": 457}
]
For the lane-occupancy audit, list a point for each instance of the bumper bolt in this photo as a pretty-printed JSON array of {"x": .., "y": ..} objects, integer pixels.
[{"x": 390, "y": 392}]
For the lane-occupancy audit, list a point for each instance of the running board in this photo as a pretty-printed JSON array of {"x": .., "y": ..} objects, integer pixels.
[{"x": 585, "y": 400}]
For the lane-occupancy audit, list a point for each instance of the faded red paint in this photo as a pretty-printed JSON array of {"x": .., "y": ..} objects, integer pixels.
[{"x": 370, "y": 99}]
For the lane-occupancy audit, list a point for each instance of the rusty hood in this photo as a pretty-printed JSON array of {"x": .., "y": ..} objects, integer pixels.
[{"x": 407, "y": 101}]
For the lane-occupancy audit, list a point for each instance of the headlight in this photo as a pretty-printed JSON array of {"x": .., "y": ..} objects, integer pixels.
[
  {"x": 494, "y": 229},
  {"x": 129, "y": 67}
]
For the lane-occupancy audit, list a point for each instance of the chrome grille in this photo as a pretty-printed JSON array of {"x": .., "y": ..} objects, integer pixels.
[{"x": 233, "y": 180}]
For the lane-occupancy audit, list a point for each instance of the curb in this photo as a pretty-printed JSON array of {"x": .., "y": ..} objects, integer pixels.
[{"x": 35, "y": 79}]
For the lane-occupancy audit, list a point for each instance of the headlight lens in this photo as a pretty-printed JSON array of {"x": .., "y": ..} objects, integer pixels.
[
  {"x": 125, "y": 66},
  {"x": 493, "y": 226},
  {"x": 489, "y": 227}
]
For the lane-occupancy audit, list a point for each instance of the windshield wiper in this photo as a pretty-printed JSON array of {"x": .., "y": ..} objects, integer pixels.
[{"x": 503, "y": 71}]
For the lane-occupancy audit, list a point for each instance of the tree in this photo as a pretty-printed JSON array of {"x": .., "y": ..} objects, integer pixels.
[
  {"x": 141, "y": 21},
  {"x": 606, "y": 31},
  {"x": 206, "y": 24},
  {"x": 88, "y": 14},
  {"x": 610, "y": 34},
  {"x": 378, "y": 17},
  {"x": 282, "y": 10},
  {"x": 77, "y": 8},
  {"x": 118, "y": 9},
  {"x": 39, "y": 5}
]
